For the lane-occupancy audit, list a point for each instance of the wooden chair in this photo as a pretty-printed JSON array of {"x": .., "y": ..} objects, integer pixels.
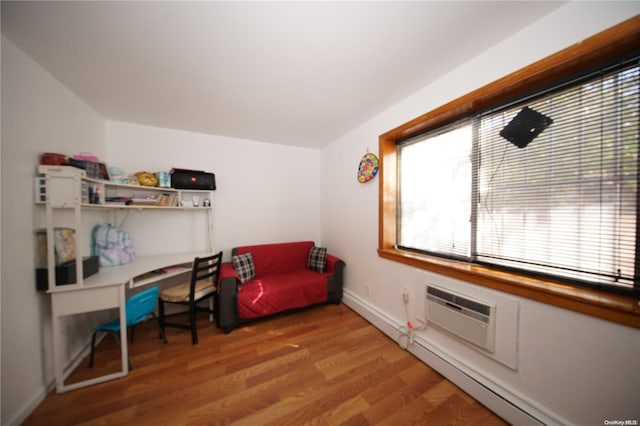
[
  {"x": 201, "y": 286},
  {"x": 138, "y": 308}
]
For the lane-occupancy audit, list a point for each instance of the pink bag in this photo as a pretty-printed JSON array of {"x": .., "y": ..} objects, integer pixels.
[{"x": 86, "y": 156}]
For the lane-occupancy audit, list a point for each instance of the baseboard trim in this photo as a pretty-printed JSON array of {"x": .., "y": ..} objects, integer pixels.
[
  {"x": 505, "y": 402},
  {"x": 29, "y": 406},
  {"x": 47, "y": 388}
]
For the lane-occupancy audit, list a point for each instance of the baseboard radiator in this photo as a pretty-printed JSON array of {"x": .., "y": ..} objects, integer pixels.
[{"x": 470, "y": 319}]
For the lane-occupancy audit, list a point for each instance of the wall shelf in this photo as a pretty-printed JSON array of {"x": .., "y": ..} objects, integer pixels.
[{"x": 65, "y": 187}]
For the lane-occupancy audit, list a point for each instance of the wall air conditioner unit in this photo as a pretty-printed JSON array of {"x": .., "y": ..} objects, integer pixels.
[{"x": 463, "y": 316}]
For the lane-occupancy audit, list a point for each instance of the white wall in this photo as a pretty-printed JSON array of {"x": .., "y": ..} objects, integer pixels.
[
  {"x": 569, "y": 368},
  {"x": 265, "y": 192},
  {"x": 38, "y": 115}
]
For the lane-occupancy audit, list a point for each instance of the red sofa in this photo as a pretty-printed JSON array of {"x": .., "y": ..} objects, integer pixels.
[{"x": 282, "y": 281}]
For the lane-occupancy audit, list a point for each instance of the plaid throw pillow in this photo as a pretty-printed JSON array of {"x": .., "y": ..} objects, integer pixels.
[
  {"x": 317, "y": 258},
  {"x": 243, "y": 264}
]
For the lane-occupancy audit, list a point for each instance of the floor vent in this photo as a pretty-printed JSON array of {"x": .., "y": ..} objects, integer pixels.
[{"x": 463, "y": 316}]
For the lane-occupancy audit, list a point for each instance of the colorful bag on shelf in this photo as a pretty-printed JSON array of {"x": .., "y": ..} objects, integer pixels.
[{"x": 112, "y": 245}]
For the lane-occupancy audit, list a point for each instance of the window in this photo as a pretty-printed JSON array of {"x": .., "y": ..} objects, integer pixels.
[
  {"x": 575, "y": 180},
  {"x": 562, "y": 203},
  {"x": 435, "y": 217}
]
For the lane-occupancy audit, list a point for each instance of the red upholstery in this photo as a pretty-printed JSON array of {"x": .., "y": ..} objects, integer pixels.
[
  {"x": 279, "y": 292},
  {"x": 283, "y": 281},
  {"x": 278, "y": 258}
]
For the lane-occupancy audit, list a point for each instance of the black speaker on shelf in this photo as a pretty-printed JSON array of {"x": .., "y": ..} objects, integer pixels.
[{"x": 192, "y": 179}]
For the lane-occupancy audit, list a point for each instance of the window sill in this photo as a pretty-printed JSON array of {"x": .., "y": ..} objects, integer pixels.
[{"x": 612, "y": 307}]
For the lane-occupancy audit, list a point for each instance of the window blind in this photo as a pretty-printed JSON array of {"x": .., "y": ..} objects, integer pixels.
[
  {"x": 555, "y": 195},
  {"x": 566, "y": 203}
]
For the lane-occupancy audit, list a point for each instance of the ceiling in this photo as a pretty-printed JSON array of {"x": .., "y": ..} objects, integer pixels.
[{"x": 293, "y": 73}]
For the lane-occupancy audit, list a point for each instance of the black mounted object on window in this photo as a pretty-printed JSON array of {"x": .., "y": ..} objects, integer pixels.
[{"x": 525, "y": 127}]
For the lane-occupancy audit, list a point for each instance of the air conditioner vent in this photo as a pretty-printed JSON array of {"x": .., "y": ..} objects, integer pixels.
[
  {"x": 462, "y": 302},
  {"x": 468, "y": 318}
]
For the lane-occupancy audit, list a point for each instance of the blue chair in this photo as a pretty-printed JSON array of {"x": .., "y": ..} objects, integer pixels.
[{"x": 138, "y": 308}]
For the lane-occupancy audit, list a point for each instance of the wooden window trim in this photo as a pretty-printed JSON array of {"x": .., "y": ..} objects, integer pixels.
[{"x": 609, "y": 45}]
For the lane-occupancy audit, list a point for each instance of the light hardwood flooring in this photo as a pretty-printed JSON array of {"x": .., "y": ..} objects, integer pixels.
[{"x": 320, "y": 366}]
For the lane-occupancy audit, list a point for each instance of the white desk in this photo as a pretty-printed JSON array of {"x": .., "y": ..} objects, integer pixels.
[{"x": 106, "y": 290}]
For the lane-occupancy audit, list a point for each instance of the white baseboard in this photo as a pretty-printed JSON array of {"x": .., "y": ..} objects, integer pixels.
[
  {"x": 506, "y": 403},
  {"x": 42, "y": 393},
  {"x": 29, "y": 406}
]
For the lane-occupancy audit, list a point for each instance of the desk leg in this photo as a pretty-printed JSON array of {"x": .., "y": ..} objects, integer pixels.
[
  {"x": 80, "y": 301},
  {"x": 124, "y": 342},
  {"x": 57, "y": 354}
]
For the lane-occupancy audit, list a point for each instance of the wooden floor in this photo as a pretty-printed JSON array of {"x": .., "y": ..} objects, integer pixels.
[{"x": 321, "y": 366}]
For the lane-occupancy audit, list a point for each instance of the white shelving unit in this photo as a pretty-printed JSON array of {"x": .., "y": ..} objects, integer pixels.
[{"x": 62, "y": 188}]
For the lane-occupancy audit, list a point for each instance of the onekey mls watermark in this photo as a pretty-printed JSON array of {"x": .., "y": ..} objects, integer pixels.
[{"x": 628, "y": 422}]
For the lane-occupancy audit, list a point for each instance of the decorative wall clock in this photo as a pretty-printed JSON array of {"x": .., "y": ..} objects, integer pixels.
[{"x": 368, "y": 168}]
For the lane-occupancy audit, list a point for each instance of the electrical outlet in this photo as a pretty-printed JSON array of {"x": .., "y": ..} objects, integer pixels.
[{"x": 405, "y": 295}]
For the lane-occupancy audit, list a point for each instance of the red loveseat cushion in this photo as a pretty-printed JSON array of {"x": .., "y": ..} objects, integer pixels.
[{"x": 274, "y": 293}]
